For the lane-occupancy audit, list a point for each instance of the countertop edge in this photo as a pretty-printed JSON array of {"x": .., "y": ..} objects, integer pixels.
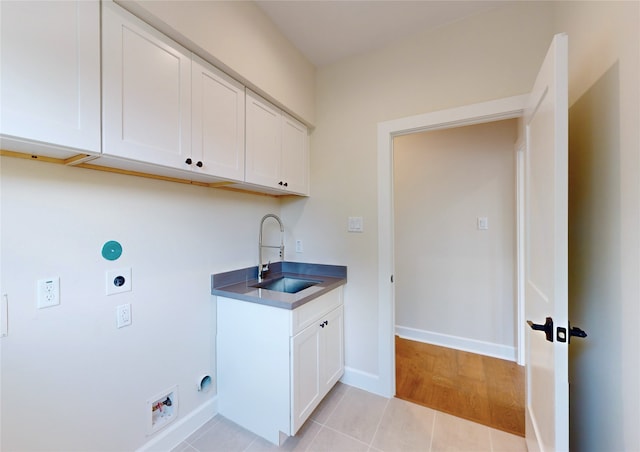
[{"x": 238, "y": 284}]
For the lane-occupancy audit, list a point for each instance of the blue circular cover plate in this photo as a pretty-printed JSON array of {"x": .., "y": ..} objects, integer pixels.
[{"x": 111, "y": 250}]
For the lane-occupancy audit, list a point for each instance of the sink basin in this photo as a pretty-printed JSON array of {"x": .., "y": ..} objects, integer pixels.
[{"x": 287, "y": 284}]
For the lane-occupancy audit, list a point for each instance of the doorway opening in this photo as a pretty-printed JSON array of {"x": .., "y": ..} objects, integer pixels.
[
  {"x": 492, "y": 111},
  {"x": 454, "y": 194}
]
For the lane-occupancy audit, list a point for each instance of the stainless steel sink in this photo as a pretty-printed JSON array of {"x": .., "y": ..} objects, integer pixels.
[{"x": 286, "y": 284}]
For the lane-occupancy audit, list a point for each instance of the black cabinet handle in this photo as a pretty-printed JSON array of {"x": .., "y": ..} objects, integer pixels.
[
  {"x": 286, "y": 184},
  {"x": 325, "y": 323},
  {"x": 199, "y": 164},
  {"x": 188, "y": 161},
  {"x": 280, "y": 183}
]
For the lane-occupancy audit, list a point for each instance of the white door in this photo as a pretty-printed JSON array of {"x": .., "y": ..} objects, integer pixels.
[{"x": 546, "y": 262}]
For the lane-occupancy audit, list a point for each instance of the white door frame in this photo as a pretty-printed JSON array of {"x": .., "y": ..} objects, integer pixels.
[{"x": 496, "y": 110}]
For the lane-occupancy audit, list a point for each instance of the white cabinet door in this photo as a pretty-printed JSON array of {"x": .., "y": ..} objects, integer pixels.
[
  {"x": 317, "y": 363},
  {"x": 146, "y": 92},
  {"x": 332, "y": 349},
  {"x": 50, "y": 72},
  {"x": 305, "y": 374},
  {"x": 264, "y": 142},
  {"x": 295, "y": 156},
  {"x": 218, "y": 107},
  {"x": 276, "y": 149}
]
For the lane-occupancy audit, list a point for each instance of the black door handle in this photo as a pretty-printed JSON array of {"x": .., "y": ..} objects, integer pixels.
[
  {"x": 547, "y": 328},
  {"x": 573, "y": 331},
  {"x": 562, "y": 332}
]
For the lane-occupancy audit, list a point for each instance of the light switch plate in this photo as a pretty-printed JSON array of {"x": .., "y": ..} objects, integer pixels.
[
  {"x": 483, "y": 223},
  {"x": 355, "y": 224}
]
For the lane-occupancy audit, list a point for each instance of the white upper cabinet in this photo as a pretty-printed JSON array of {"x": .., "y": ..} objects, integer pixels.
[
  {"x": 146, "y": 92},
  {"x": 50, "y": 75},
  {"x": 218, "y": 106},
  {"x": 295, "y": 155},
  {"x": 276, "y": 148}
]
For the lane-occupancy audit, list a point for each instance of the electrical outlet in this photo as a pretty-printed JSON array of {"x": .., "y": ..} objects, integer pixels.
[
  {"x": 118, "y": 281},
  {"x": 123, "y": 315},
  {"x": 299, "y": 246},
  {"x": 48, "y": 292}
]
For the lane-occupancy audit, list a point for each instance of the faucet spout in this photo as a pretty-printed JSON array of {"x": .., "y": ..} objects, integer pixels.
[{"x": 263, "y": 269}]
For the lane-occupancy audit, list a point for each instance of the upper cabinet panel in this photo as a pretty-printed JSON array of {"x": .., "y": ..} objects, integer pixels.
[
  {"x": 295, "y": 155},
  {"x": 50, "y": 72},
  {"x": 217, "y": 122},
  {"x": 276, "y": 149},
  {"x": 146, "y": 92}
]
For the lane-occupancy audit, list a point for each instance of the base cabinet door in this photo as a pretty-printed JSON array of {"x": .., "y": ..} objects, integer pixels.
[
  {"x": 317, "y": 363},
  {"x": 332, "y": 349},
  {"x": 50, "y": 72},
  {"x": 306, "y": 374}
]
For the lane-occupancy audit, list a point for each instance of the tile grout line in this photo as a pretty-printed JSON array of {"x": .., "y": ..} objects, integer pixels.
[
  {"x": 338, "y": 402},
  {"x": 345, "y": 434},
  {"x": 314, "y": 436},
  {"x": 433, "y": 429},
  {"x": 386, "y": 406},
  {"x": 188, "y": 442}
]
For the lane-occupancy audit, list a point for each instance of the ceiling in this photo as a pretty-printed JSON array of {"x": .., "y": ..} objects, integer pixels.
[{"x": 326, "y": 31}]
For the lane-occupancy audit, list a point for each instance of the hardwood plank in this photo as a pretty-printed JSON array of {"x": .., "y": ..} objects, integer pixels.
[{"x": 486, "y": 390}]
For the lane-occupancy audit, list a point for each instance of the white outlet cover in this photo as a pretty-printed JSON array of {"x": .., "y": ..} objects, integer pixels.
[
  {"x": 118, "y": 281},
  {"x": 48, "y": 292},
  {"x": 123, "y": 315}
]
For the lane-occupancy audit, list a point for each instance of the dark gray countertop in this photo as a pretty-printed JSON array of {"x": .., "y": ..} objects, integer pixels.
[{"x": 237, "y": 283}]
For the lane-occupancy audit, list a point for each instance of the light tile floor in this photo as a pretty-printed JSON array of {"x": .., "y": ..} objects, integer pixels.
[{"x": 351, "y": 420}]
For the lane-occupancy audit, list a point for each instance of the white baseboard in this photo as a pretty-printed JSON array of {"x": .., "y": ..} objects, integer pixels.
[
  {"x": 173, "y": 434},
  {"x": 458, "y": 343},
  {"x": 362, "y": 380}
]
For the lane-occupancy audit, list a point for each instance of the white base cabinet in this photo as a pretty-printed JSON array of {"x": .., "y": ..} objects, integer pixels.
[{"x": 274, "y": 366}]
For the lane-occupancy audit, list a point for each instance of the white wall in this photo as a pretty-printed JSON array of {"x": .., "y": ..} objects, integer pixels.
[
  {"x": 455, "y": 284},
  {"x": 239, "y": 38},
  {"x": 487, "y": 56},
  {"x": 604, "y": 221},
  {"x": 70, "y": 379}
]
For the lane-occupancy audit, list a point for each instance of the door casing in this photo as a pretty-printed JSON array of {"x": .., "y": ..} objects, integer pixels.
[{"x": 496, "y": 110}]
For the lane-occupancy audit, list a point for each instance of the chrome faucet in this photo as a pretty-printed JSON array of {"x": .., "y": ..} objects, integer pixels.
[{"x": 263, "y": 269}]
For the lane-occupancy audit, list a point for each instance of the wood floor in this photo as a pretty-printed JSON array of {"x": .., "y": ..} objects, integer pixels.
[{"x": 485, "y": 390}]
